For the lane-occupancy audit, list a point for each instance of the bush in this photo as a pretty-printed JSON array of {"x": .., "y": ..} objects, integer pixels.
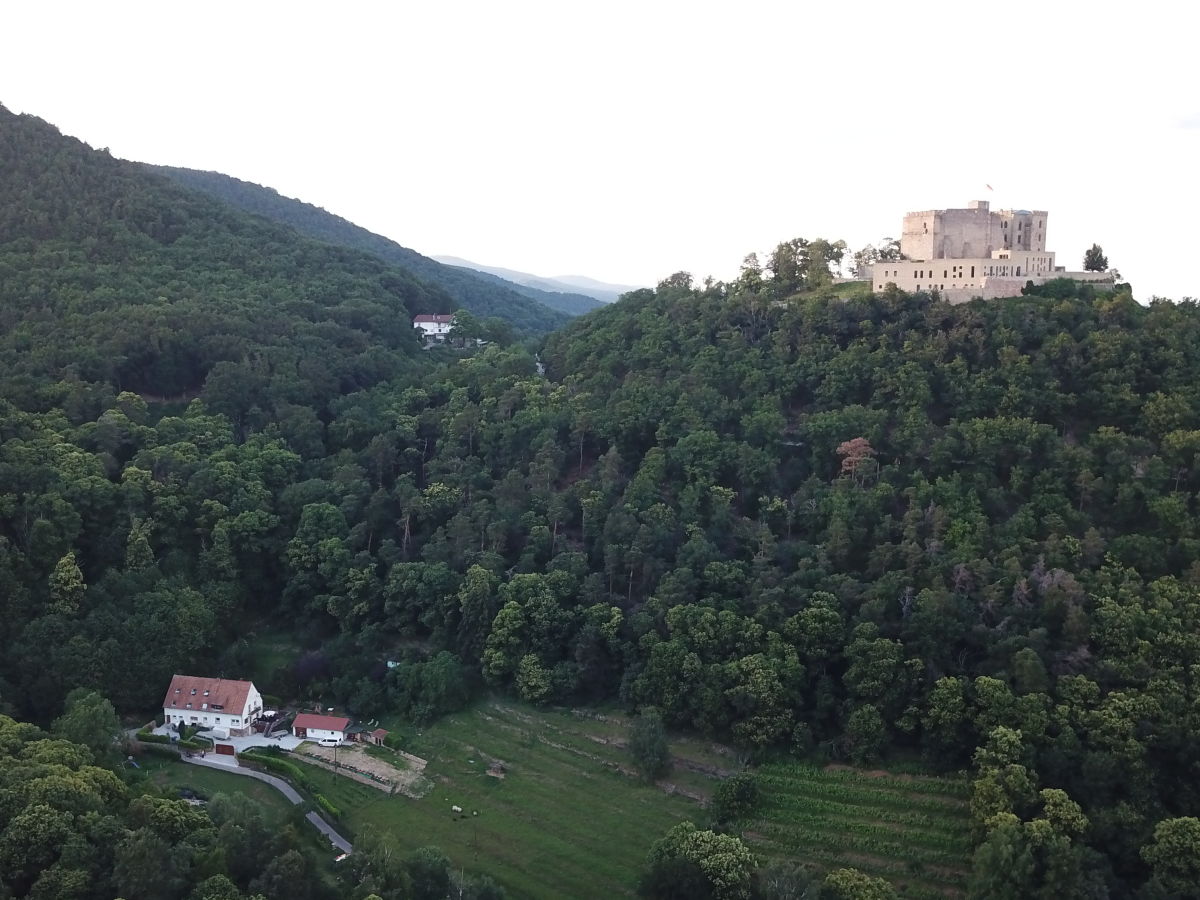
[
  {"x": 735, "y": 798},
  {"x": 194, "y": 745},
  {"x": 149, "y": 737},
  {"x": 326, "y": 806},
  {"x": 648, "y": 745}
]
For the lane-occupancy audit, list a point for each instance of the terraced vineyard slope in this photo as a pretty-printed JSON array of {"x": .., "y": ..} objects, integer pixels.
[{"x": 911, "y": 830}]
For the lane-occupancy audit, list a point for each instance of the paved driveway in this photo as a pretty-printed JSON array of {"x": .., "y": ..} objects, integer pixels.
[
  {"x": 213, "y": 761},
  {"x": 287, "y": 740}
]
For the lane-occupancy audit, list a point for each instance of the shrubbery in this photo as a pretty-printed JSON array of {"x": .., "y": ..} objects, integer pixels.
[
  {"x": 326, "y": 806},
  {"x": 277, "y": 766},
  {"x": 160, "y": 750}
]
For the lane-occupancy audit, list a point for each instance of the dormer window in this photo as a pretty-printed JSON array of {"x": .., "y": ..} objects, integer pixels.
[
  {"x": 193, "y": 692},
  {"x": 206, "y": 693},
  {"x": 204, "y": 706},
  {"x": 179, "y": 690}
]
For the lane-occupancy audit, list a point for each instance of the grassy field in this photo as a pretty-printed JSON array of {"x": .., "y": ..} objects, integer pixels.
[
  {"x": 563, "y": 821},
  {"x": 912, "y": 830}
]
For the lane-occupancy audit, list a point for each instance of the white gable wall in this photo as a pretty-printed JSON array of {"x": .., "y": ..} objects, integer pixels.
[{"x": 201, "y": 714}]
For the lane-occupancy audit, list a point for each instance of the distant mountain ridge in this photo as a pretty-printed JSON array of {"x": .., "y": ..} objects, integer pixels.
[
  {"x": 526, "y": 309},
  {"x": 603, "y": 291}
]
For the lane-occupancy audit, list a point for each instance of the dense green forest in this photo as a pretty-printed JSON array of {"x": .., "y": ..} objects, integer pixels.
[
  {"x": 482, "y": 294},
  {"x": 849, "y": 529}
]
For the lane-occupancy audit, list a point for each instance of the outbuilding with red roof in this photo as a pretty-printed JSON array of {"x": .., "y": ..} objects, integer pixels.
[{"x": 315, "y": 727}]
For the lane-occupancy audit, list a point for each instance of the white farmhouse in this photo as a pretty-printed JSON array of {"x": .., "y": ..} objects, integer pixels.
[
  {"x": 212, "y": 703},
  {"x": 434, "y": 327},
  {"x": 320, "y": 728}
]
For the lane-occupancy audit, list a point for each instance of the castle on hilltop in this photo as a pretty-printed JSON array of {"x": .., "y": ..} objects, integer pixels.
[{"x": 974, "y": 252}]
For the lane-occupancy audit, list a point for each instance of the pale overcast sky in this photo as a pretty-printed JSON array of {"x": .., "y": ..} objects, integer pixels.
[{"x": 626, "y": 141}]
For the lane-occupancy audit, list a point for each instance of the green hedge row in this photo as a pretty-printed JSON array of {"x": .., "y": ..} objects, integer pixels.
[
  {"x": 195, "y": 745},
  {"x": 150, "y": 737},
  {"x": 160, "y": 750},
  {"x": 278, "y": 766},
  {"x": 327, "y": 806}
]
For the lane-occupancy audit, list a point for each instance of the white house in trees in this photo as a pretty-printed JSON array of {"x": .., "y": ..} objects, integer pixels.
[
  {"x": 212, "y": 703},
  {"x": 320, "y": 728},
  {"x": 434, "y": 327}
]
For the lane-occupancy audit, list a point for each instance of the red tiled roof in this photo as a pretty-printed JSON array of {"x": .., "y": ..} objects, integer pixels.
[
  {"x": 325, "y": 723},
  {"x": 379, "y": 733},
  {"x": 221, "y": 694},
  {"x": 440, "y": 320}
]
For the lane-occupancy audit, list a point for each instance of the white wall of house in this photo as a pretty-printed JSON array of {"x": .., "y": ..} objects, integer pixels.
[
  {"x": 321, "y": 734},
  {"x": 434, "y": 330},
  {"x": 202, "y": 715}
]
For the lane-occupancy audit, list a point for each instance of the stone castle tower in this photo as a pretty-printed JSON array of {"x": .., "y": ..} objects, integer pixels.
[{"x": 974, "y": 252}]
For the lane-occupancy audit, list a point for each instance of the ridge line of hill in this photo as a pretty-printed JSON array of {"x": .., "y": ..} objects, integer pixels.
[{"x": 526, "y": 309}]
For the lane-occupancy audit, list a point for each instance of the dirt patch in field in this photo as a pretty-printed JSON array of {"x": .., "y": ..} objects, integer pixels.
[
  {"x": 670, "y": 788},
  {"x": 405, "y": 777}
]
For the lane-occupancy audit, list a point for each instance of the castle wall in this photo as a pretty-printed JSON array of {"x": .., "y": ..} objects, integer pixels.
[
  {"x": 968, "y": 274},
  {"x": 972, "y": 233}
]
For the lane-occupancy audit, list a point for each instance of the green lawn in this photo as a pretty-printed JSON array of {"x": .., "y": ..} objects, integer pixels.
[
  {"x": 173, "y": 776},
  {"x": 563, "y": 822},
  {"x": 911, "y": 829}
]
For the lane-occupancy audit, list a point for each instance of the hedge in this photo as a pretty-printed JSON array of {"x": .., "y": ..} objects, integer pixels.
[
  {"x": 194, "y": 745},
  {"x": 150, "y": 737},
  {"x": 327, "y": 806},
  {"x": 160, "y": 750},
  {"x": 278, "y": 766}
]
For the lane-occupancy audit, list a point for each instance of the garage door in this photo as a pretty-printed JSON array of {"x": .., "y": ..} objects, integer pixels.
[{"x": 225, "y": 749}]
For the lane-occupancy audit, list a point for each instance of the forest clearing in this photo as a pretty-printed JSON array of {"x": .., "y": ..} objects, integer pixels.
[{"x": 543, "y": 796}]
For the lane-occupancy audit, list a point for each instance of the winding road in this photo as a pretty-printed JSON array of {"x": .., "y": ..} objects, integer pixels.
[{"x": 284, "y": 788}]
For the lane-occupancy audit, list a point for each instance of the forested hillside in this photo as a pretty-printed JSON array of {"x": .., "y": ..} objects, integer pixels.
[
  {"x": 113, "y": 276},
  {"x": 860, "y": 529},
  {"x": 481, "y": 294}
]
